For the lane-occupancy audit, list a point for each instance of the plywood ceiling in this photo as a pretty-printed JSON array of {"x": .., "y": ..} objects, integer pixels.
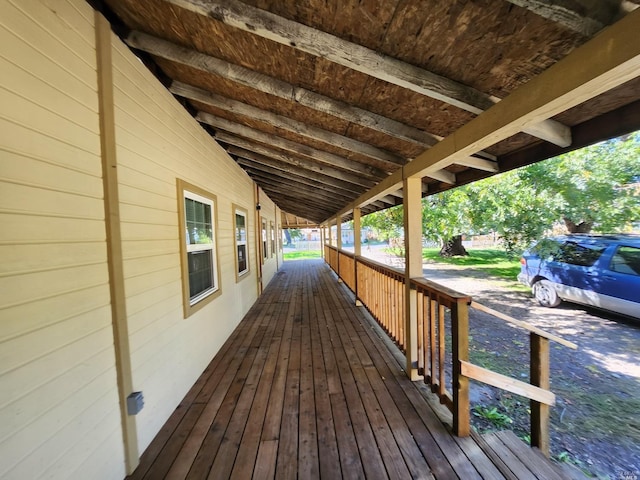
[{"x": 320, "y": 100}]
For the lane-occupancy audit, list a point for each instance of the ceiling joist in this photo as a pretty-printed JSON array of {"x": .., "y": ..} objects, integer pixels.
[
  {"x": 285, "y": 123},
  {"x": 357, "y": 57},
  {"x": 605, "y": 62},
  {"x": 278, "y": 88}
]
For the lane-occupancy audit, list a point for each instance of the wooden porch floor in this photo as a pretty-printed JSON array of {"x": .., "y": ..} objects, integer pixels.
[{"x": 306, "y": 388}]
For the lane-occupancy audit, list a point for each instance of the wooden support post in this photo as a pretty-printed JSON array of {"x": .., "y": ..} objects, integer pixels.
[
  {"x": 357, "y": 250},
  {"x": 460, "y": 352},
  {"x": 413, "y": 268},
  {"x": 540, "y": 378},
  {"x": 322, "y": 242}
]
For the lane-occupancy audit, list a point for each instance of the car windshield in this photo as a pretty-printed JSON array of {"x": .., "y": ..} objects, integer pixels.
[{"x": 576, "y": 254}]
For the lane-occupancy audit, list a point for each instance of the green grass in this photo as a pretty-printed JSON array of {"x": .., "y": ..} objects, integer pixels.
[
  {"x": 489, "y": 261},
  {"x": 302, "y": 255}
]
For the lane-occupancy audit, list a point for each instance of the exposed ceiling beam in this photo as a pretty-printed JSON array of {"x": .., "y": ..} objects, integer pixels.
[
  {"x": 294, "y": 160},
  {"x": 316, "y": 155},
  {"x": 357, "y": 57},
  {"x": 569, "y": 13},
  {"x": 302, "y": 191},
  {"x": 603, "y": 63},
  {"x": 264, "y": 83},
  {"x": 443, "y": 175},
  {"x": 479, "y": 164},
  {"x": 270, "y": 163},
  {"x": 279, "y": 121},
  {"x": 292, "y": 185}
]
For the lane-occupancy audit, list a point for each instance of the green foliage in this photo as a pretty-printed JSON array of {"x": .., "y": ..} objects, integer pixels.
[
  {"x": 500, "y": 420},
  {"x": 386, "y": 223},
  {"x": 596, "y": 187}
]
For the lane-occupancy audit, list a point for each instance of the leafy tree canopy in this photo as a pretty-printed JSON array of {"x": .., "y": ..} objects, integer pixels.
[{"x": 597, "y": 188}]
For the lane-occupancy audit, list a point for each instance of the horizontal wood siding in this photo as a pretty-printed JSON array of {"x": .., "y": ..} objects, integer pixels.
[
  {"x": 157, "y": 143},
  {"x": 59, "y": 412},
  {"x": 268, "y": 212}
]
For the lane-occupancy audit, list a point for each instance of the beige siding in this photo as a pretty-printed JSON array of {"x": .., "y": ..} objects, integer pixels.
[
  {"x": 268, "y": 211},
  {"x": 59, "y": 413},
  {"x": 157, "y": 143}
]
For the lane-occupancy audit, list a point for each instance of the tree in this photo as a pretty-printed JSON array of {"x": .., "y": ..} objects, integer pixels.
[
  {"x": 445, "y": 217},
  {"x": 386, "y": 223},
  {"x": 595, "y": 185}
]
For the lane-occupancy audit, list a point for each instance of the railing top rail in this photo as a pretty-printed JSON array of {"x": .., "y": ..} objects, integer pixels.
[
  {"x": 382, "y": 266},
  {"x": 347, "y": 254},
  {"x": 444, "y": 292},
  {"x": 526, "y": 326}
]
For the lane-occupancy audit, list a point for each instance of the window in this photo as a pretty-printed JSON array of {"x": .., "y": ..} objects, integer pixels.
[
  {"x": 273, "y": 239},
  {"x": 265, "y": 246},
  {"x": 575, "y": 254},
  {"x": 242, "y": 253},
  {"x": 626, "y": 260},
  {"x": 197, "y": 223}
]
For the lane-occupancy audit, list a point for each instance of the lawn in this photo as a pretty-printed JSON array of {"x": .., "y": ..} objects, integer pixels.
[
  {"x": 302, "y": 255},
  {"x": 490, "y": 261}
]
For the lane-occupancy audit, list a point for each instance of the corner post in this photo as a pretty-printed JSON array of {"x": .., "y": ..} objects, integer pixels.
[
  {"x": 460, "y": 352},
  {"x": 412, "y": 189},
  {"x": 540, "y": 378}
]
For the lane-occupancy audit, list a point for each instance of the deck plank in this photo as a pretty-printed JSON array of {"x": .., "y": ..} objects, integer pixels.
[{"x": 306, "y": 387}]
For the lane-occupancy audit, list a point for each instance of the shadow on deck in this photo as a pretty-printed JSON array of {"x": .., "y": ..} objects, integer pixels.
[{"x": 309, "y": 387}]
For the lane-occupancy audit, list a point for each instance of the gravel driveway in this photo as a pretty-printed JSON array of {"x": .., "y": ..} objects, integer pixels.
[{"x": 596, "y": 419}]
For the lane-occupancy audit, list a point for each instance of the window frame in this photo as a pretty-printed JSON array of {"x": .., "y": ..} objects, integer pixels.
[
  {"x": 272, "y": 238},
  {"x": 265, "y": 238},
  {"x": 186, "y": 190},
  {"x": 238, "y": 210}
]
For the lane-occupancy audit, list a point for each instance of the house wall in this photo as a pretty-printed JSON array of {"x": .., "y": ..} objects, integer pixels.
[
  {"x": 59, "y": 412},
  {"x": 157, "y": 143},
  {"x": 59, "y": 400}
]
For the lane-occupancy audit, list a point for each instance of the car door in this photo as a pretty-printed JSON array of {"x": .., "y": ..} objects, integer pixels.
[
  {"x": 619, "y": 281},
  {"x": 574, "y": 268}
]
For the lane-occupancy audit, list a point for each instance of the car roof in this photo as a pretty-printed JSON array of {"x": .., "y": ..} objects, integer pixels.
[{"x": 602, "y": 239}]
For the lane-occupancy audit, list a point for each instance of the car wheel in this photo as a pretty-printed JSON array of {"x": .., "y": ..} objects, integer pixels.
[{"x": 545, "y": 294}]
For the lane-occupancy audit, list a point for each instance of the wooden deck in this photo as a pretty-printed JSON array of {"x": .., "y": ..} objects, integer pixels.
[{"x": 306, "y": 387}]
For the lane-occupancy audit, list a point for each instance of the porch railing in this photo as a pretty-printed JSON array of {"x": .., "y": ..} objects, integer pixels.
[{"x": 382, "y": 290}]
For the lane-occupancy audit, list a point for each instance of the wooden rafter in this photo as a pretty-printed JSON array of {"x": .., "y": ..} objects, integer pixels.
[
  {"x": 285, "y": 123},
  {"x": 568, "y": 14},
  {"x": 274, "y": 166},
  {"x": 302, "y": 163},
  {"x": 607, "y": 61},
  {"x": 278, "y": 88},
  {"x": 360, "y": 58},
  {"x": 319, "y": 156}
]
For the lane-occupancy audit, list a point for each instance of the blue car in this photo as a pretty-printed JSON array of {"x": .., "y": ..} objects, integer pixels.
[{"x": 601, "y": 271}]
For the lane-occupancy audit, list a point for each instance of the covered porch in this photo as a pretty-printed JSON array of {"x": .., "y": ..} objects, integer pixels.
[{"x": 310, "y": 386}]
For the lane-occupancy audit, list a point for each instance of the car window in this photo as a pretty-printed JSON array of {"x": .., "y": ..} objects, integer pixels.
[
  {"x": 626, "y": 260},
  {"x": 575, "y": 254}
]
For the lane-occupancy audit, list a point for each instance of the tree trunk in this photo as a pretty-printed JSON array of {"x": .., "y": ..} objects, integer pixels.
[
  {"x": 287, "y": 236},
  {"x": 582, "y": 227},
  {"x": 453, "y": 247}
]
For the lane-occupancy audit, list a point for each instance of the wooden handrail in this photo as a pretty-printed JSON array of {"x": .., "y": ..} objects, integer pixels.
[
  {"x": 526, "y": 326},
  {"x": 507, "y": 383}
]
